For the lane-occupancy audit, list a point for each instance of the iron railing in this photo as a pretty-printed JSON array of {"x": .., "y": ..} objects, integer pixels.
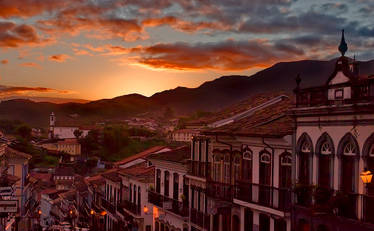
[
  {"x": 172, "y": 205},
  {"x": 265, "y": 195}
]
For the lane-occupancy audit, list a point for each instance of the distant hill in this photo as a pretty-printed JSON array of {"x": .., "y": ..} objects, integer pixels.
[
  {"x": 210, "y": 96},
  {"x": 227, "y": 90}
]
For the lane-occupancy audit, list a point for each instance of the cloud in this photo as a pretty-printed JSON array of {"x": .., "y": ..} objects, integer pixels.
[
  {"x": 28, "y": 8},
  {"x": 30, "y": 64},
  {"x": 227, "y": 56},
  {"x": 22, "y": 90},
  {"x": 59, "y": 58},
  {"x": 13, "y": 35},
  {"x": 4, "y": 61}
]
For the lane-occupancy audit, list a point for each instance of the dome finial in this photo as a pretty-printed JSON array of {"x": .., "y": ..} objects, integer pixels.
[{"x": 343, "y": 45}]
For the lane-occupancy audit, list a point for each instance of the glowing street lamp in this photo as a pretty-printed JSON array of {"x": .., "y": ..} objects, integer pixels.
[
  {"x": 366, "y": 176},
  {"x": 145, "y": 209}
]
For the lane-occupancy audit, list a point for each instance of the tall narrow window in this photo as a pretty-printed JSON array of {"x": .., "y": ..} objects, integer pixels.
[
  {"x": 166, "y": 183},
  {"x": 158, "y": 181},
  {"x": 217, "y": 168},
  {"x": 285, "y": 170},
  {"x": 175, "y": 186},
  {"x": 227, "y": 169},
  {"x": 134, "y": 194},
  {"x": 348, "y": 168},
  {"x": 304, "y": 162},
  {"x": 237, "y": 167},
  {"x": 325, "y": 162},
  {"x": 247, "y": 166}
]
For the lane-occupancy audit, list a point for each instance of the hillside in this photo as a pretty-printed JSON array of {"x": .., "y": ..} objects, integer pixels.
[{"x": 210, "y": 96}]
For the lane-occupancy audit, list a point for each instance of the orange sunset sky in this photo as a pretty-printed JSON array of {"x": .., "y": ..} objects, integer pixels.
[{"x": 93, "y": 49}]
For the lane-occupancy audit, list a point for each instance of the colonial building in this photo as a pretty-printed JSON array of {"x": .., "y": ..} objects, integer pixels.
[
  {"x": 170, "y": 195},
  {"x": 64, "y": 131},
  {"x": 334, "y": 143},
  {"x": 184, "y": 135},
  {"x": 134, "y": 208},
  {"x": 240, "y": 169}
]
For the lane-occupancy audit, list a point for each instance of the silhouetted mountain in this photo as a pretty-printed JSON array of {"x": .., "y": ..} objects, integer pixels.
[
  {"x": 230, "y": 89},
  {"x": 210, "y": 96}
]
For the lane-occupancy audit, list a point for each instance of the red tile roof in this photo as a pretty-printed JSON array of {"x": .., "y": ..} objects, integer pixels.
[
  {"x": 178, "y": 155},
  {"x": 142, "y": 154},
  {"x": 141, "y": 172},
  {"x": 271, "y": 121}
]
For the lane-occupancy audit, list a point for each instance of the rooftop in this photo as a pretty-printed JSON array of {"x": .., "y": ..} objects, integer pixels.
[
  {"x": 270, "y": 120},
  {"x": 142, "y": 154},
  {"x": 141, "y": 172},
  {"x": 178, "y": 155}
]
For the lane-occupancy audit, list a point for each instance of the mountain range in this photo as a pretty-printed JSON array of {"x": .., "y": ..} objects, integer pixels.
[{"x": 210, "y": 96}]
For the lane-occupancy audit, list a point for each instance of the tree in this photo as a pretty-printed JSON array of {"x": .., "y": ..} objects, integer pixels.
[
  {"x": 24, "y": 132},
  {"x": 168, "y": 113},
  {"x": 78, "y": 133}
]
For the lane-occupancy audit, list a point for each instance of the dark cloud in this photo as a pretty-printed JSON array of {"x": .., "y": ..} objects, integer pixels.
[
  {"x": 229, "y": 55},
  {"x": 13, "y": 90},
  {"x": 59, "y": 58},
  {"x": 12, "y": 35}
]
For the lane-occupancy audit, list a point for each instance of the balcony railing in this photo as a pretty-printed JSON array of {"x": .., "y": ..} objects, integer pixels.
[
  {"x": 199, "y": 169},
  {"x": 218, "y": 190},
  {"x": 199, "y": 218},
  {"x": 130, "y": 206},
  {"x": 174, "y": 206},
  {"x": 340, "y": 203},
  {"x": 108, "y": 206},
  {"x": 264, "y": 195},
  {"x": 318, "y": 96}
]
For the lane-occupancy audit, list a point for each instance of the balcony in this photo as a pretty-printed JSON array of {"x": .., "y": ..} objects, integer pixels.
[
  {"x": 130, "y": 206},
  {"x": 264, "y": 195},
  {"x": 200, "y": 219},
  {"x": 199, "y": 169},
  {"x": 108, "y": 206},
  {"x": 167, "y": 203},
  {"x": 220, "y": 191},
  {"x": 329, "y": 201},
  {"x": 318, "y": 96}
]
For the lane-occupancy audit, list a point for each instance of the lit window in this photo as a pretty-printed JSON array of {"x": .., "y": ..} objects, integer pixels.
[
  {"x": 350, "y": 149},
  {"x": 326, "y": 148}
]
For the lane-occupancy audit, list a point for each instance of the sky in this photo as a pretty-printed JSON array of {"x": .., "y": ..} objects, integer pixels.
[{"x": 93, "y": 49}]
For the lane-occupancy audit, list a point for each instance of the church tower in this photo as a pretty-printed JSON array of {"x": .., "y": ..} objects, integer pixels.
[{"x": 52, "y": 120}]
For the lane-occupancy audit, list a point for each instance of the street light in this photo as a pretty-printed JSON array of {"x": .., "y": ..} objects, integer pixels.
[
  {"x": 366, "y": 176},
  {"x": 146, "y": 209}
]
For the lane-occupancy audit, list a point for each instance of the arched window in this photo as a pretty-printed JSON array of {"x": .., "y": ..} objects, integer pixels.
[
  {"x": 166, "y": 183},
  {"x": 158, "y": 181},
  {"x": 326, "y": 148},
  {"x": 304, "y": 152},
  {"x": 368, "y": 153},
  {"x": 247, "y": 165},
  {"x": 227, "y": 168},
  {"x": 285, "y": 170},
  {"x": 237, "y": 167},
  {"x": 325, "y": 151},
  {"x": 217, "y": 167},
  {"x": 175, "y": 186},
  {"x": 265, "y": 158},
  {"x": 348, "y": 151}
]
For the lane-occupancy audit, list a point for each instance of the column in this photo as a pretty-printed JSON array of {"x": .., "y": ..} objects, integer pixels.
[
  {"x": 256, "y": 221},
  {"x": 315, "y": 170},
  {"x": 211, "y": 222},
  {"x": 242, "y": 218},
  {"x": 361, "y": 189},
  {"x": 272, "y": 228},
  {"x": 336, "y": 173}
]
